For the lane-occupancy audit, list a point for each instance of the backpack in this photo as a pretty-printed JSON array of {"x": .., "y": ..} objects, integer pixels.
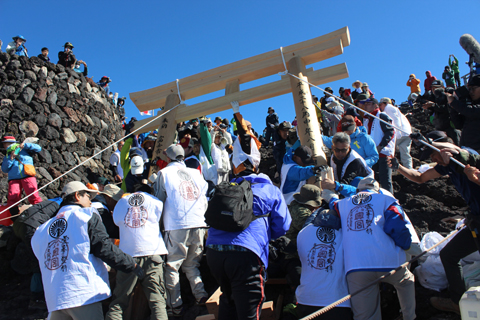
[{"x": 231, "y": 207}]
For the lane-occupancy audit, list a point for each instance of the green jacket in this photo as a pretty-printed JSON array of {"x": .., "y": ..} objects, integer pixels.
[
  {"x": 299, "y": 213},
  {"x": 454, "y": 65},
  {"x": 449, "y": 78},
  {"x": 124, "y": 161}
]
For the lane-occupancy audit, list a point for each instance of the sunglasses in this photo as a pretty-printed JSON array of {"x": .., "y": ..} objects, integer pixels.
[{"x": 340, "y": 150}]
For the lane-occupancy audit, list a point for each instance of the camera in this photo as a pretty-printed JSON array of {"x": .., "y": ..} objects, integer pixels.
[
  {"x": 441, "y": 99},
  {"x": 222, "y": 126}
]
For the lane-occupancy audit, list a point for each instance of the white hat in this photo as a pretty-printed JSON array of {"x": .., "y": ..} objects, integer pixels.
[
  {"x": 113, "y": 192},
  {"x": 137, "y": 165},
  {"x": 76, "y": 186}
]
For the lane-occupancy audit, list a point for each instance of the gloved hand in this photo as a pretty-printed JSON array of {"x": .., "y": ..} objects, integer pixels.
[
  {"x": 414, "y": 249},
  {"x": 235, "y": 106},
  {"x": 139, "y": 272},
  {"x": 394, "y": 163},
  {"x": 281, "y": 243},
  {"x": 327, "y": 195},
  {"x": 417, "y": 137},
  {"x": 319, "y": 169},
  {"x": 272, "y": 125}
]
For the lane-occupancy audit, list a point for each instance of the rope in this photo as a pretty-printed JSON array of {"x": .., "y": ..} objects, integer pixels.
[
  {"x": 392, "y": 272},
  {"x": 283, "y": 73},
  {"x": 43, "y": 187},
  {"x": 178, "y": 91},
  {"x": 373, "y": 116}
]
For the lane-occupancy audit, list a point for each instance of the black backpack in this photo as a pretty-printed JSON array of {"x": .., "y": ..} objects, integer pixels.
[{"x": 231, "y": 207}]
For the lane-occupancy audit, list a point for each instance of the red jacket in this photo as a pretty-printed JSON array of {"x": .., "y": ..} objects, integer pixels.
[{"x": 428, "y": 82}]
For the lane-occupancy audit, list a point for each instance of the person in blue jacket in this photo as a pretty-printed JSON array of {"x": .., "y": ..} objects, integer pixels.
[
  {"x": 19, "y": 155},
  {"x": 360, "y": 141},
  {"x": 238, "y": 260}
]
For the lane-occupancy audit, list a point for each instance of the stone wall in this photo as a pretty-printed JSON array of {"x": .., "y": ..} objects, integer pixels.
[{"x": 69, "y": 114}]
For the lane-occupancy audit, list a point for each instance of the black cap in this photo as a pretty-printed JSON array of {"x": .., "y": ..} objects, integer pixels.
[
  {"x": 285, "y": 125},
  {"x": 218, "y": 118},
  {"x": 437, "y": 83},
  {"x": 361, "y": 96},
  {"x": 372, "y": 100},
  {"x": 271, "y": 109},
  {"x": 435, "y": 136},
  {"x": 304, "y": 153},
  {"x": 474, "y": 81}
]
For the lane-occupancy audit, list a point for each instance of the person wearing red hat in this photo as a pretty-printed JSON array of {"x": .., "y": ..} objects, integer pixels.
[
  {"x": 18, "y": 156},
  {"x": 103, "y": 83}
]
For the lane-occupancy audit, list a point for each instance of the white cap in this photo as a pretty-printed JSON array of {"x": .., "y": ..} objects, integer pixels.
[{"x": 137, "y": 165}]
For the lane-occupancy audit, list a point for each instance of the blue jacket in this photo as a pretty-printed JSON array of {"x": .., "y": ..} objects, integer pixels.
[
  {"x": 266, "y": 199},
  {"x": 13, "y": 167},
  {"x": 295, "y": 174},
  {"x": 362, "y": 143}
]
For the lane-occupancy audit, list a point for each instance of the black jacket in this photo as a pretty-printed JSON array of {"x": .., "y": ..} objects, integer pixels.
[
  {"x": 279, "y": 150},
  {"x": 470, "y": 122},
  {"x": 32, "y": 218},
  {"x": 66, "y": 60},
  {"x": 355, "y": 169},
  {"x": 272, "y": 119}
]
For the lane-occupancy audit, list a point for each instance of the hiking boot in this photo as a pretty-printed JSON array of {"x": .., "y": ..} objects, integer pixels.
[{"x": 445, "y": 304}]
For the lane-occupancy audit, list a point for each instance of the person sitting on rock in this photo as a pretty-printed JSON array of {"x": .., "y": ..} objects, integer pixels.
[
  {"x": 66, "y": 57},
  {"x": 103, "y": 83},
  {"x": 44, "y": 55},
  {"x": 78, "y": 65},
  {"x": 17, "y": 46},
  {"x": 17, "y": 163}
]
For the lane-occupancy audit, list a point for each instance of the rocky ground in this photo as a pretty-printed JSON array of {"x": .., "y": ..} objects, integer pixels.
[{"x": 425, "y": 204}]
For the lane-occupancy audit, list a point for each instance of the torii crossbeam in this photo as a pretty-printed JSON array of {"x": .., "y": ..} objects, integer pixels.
[{"x": 230, "y": 76}]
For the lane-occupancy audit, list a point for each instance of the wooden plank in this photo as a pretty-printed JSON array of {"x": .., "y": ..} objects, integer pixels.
[
  {"x": 259, "y": 93},
  {"x": 245, "y": 70},
  {"x": 213, "y": 302},
  {"x": 166, "y": 128},
  {"x": 268, "y": 312}
]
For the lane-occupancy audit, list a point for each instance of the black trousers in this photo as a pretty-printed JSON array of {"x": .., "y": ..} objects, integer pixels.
[
  {"x": 241, "y": 276},
  {"x": 459, "y": 247},
  {"x": 338, "y": 313}
]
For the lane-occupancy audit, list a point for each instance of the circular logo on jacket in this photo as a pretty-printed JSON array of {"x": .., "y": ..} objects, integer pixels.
[
  {"x": 321, "y": 256},
  {"x": 189, "y": 191},
  {"x": 360, "y": 218},
  {"x": 136, "y": 217},
  {"x": 136, "y": 200},
  {"x": 361, "y": 198},
  {"x": 57, "y": 228},
  {"x": 56, "y": 254},
  {"x": 326, "y": 235}
]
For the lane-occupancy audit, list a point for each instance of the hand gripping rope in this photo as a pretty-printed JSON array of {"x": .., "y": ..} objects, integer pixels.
[
  {"x": 80, "y": 164},
  {"x": 392, "y": 272}
]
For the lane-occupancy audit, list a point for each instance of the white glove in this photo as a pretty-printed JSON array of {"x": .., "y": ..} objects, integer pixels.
[
  {"x": 272, "y": 126},
  {"x": 235, "y": 106},
  {"x": 327, "y": 195},
  {"x": 414, "y": 249}
]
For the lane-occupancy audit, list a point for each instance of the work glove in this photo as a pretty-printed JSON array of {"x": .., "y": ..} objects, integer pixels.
[
  {"x": 327, "y": 195},
  {"x": 417, "y": 137},
  {"x": 272, "y": 125},
  {"x": 235, "y": 106},
  {"x": 282, "y": 243},
  {"x": 139, "y": 272},
  {"x": 414, "y": 249},
  {"x": 394, "y": 163},
  {"x": 319, "y": 169}
]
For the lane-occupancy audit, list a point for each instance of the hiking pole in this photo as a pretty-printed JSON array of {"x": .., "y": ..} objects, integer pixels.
[
  {"x": 378, "y": 118},
  {"x": 392, "y": 272}
]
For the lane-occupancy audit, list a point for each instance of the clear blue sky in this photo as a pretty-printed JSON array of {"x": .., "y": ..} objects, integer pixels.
[{"x": 143, "y": 44}]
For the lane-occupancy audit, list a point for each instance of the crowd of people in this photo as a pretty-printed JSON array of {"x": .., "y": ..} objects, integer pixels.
[{"x": 151, "y": 222}]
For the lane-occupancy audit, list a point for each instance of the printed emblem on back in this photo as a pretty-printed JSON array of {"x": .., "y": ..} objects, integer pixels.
[
  {"x": 321, "y": 256},
  {"x": 360, "y": 218},
  {"x": 326, "y": 235},
  {"x": 361, "y": 198},
  {"x": 188, "y": 189},
  {"x": 57, "y": 228},
  {"x": 137, "y": 215}
]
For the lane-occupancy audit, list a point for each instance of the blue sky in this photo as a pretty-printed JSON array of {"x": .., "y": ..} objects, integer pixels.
[{"x": 144, "y": 44}]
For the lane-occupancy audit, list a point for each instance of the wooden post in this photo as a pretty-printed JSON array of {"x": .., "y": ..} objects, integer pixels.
[
  {"x": 167, "y": 128},
  {"x": 307, "y": 124}
]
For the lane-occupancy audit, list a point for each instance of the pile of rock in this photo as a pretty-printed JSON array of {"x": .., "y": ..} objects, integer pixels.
[{"x": 70, "y": 115}]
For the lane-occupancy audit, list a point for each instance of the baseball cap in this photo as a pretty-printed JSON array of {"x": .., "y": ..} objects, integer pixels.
[
  {"x": 137, "y": 165},
  {"x": 438, "y": 83},
  {"x": 304, "y": 153},
  {"x": 368, "y": 184},
  {"x": 113, "y": 192},
  {"x": 285, "y": 125},
  {"x": 386, "y": 100},
  {"x": 9, "y": 139},
  {"x": 76, "y": 186},
  {"x": 474, "y": 81},
  {"x": 372, "y": 100},
  {"x": 435, "y": 136},
  {"x": 174, "y": 151}
]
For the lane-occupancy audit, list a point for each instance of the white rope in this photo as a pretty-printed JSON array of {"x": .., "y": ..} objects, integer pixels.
[
  {"x": 373, "y": 116},
  {"x": 96, "y": 154},
  {"x": 178, "y": 91},
  {"x": 284, "y": 64}
]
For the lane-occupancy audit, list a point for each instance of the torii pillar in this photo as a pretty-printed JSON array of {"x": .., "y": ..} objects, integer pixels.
[{"x": 307, "y": 123}]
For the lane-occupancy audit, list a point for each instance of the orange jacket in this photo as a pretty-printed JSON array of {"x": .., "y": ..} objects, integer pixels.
[{"x": 414, "y": 84}]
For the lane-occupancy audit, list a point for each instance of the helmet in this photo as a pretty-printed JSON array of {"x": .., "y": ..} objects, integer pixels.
[
  {"x": 68, "y": 44},
  {"x": 19, "y": 37}
]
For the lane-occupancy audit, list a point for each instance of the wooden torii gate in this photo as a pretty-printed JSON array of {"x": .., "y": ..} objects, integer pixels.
[{"x": 230, "y": 76}]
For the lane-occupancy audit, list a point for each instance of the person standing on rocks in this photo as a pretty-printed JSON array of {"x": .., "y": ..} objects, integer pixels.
[
  {"x": 103, "y": 83},
  {"x": 66, "y": 57},
  {"x": 271, "y": 122},
  {"x": 44, "y": 55},
  {"x": 17, "y": 163},
  {"x": 17, "y": 46}
]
